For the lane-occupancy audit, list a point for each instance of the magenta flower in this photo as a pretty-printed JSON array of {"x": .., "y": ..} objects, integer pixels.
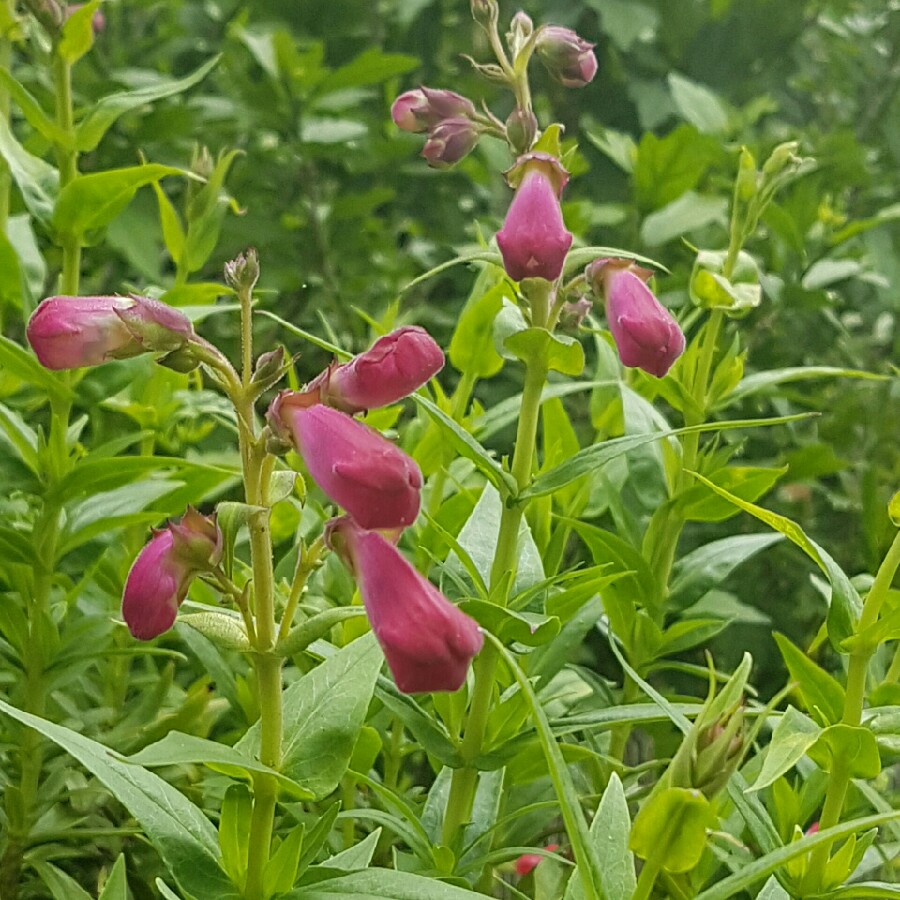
[
  {"x": 528, "y": 862},
  {"x": 534, "y": 241},
  {"x": 423, "y": 108},
  {"x": 162, "y": 573},
  {"x": 449, "y": 141},
  {"x": 427, "y": 641},
  {"x": 71, "y": 332},
  {"x": 646, "y": 334},
  {"x": 567, "y": 57},
  {"x": 375, "y": 481},
  {"x": 391, "y": 369}
]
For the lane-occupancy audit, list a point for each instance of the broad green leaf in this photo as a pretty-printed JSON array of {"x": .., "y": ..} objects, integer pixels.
[
  {"x": 562, "y": 352},
  {"x": 671, "y": 827},
  {"x": 371, "y": 67},
  {"x": 19, "y": 362},
  {"x": 854, "y": 746},
  {"x": 357, "y": 857},
  {"x": 177, "y": 749},
  {"x": 862, "y": 890},
  {"x": 667, "y": 167},
  {"x": 33, "y": 111},
  {"x": 78, "y": 32},
  {"x": 846, "y": 606},
  {"x": 37, "y": 180},
  {"x": 708, "y": 566},
  {"x": 471, "y": 348},
  {"x": 102, "y": 114},
  {"x": 710, "y": 289},
  {"x": 682, "y": 216},
  {"x": 20, "y": 435},
  {"x": 180, "y": 832},
  {"x": 609, "y": 832},
  {"x": 89, "y": 202},
  {"x": 820, "y": 691},
  {"x": 382, "y": 884},
  {"x": 323, "y": 712},
  {"x": 772, "y": 890},
  {"x": 467, "y": 446},
  {"x": 478, "y": 538},
  {"x": 894, "y": 509},
  {"x": 11, "y": 284},
  {"x": 793, "y": 736},
  {"x": 753, "y": 872},
  {"x": 690, "y": 633},
  {"x": 597, "y": 455},
  {"x": 698, "y": 104},
  {"x": 116, "y": 887}
]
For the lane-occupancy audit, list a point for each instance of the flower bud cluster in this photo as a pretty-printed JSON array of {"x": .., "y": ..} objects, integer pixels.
[
  {"x": 427, "y": 641},
  {"x": 448, "y": 118}
]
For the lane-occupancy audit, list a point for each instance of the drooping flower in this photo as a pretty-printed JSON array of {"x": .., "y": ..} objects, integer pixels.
[
  {"x": 423, "y": 108},
  {"x": 646, "y": 334},
  {"x": 392, "y": 368},
  {"x": 534, "y": 241},
  {"x": 427, "y": 641},
  {"x": 162, "y": 573},
  {"x": 371, "y": 478},
  {"x": 71, "y": 332},
  {"x": 567, "y": 57}
]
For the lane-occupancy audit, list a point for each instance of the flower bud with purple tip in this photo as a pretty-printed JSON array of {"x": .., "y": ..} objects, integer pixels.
[
  {"x": 423, "y": 108},
  {"x": 449, "y": 141},
  {"x": 566, "y": 56}
]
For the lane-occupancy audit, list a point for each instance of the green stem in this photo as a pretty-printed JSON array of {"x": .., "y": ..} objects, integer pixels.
[
  {"x": 464, "y": 781},
  {"x": 854, "y": 702},
  {"x": 267, "y": 664},
  {"x": 649, "y": 874}
]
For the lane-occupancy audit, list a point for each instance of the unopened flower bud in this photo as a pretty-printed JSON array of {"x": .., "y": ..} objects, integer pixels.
[
  {"x": 534, "y": 241},
  {"x": 72, "y": 332},
  {"x": 520, "y": 29},
  {"x": 485, "y": 12},
  {"x": 567, "y": 57},
  {"x": 427, "y": 641},
  {"x": 449, "y": 141},
  {"x": 242, "y": 272},
  {"x": 528, "y": 862},
  {"x": 521, "y": 130},
  {"x": 646, "y": 334},
  {"x": 162, "y": 573},
  {"x": 575, "y": 312},
  {"x": 269, "y": 368},
  {"x": 391, "y": 369},
  {"x": 424, "y": 108}
]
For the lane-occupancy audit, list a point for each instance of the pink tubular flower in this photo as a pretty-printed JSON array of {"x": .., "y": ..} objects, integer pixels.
[
  {"x": 422, "y": 109},
  {"x": 391, "y": 369},
  {"x": 162, "y": 573},
  {"x": 71, "y": 332},
  {"x": 449, "y": 141},
  {"x": 534, "y": 241},
  {"x": 427, "y": 641},
  {"x": 527, "y": 862},
  {"x": 646, "y": 334},
  {"x": 567, "y": 57},
  {"x": 375, "y": 481}
]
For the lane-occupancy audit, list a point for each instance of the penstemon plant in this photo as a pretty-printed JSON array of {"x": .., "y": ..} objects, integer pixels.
[{"x": 396, "y": 626}]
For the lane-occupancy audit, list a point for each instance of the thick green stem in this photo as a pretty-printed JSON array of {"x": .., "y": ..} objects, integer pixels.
[{"x": 854, "y": 702}]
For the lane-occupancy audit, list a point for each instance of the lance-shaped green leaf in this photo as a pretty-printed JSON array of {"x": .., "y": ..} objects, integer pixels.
[
  {"x": 599, "y": 454},
  {"x": 761, "y": 381},
  {"x": 116, "y": 887},
  {"x": 181, "y": 833},
  {"x": 471, "y": 348},
  {"x": 793, "y": 736},
  {"x": 33, "y": 111},
  {"x": 105, "y": 111},
  {"x": 579, "y": 258},
  {"x": 78, "y": 32},
  {"x": 89, "y": 202},
  {"x": 467, "y": 446},
  {"x": 37, "y": 180},
  {"x": 846, "y": 606},
  {"x": 821, "y": 693}
]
